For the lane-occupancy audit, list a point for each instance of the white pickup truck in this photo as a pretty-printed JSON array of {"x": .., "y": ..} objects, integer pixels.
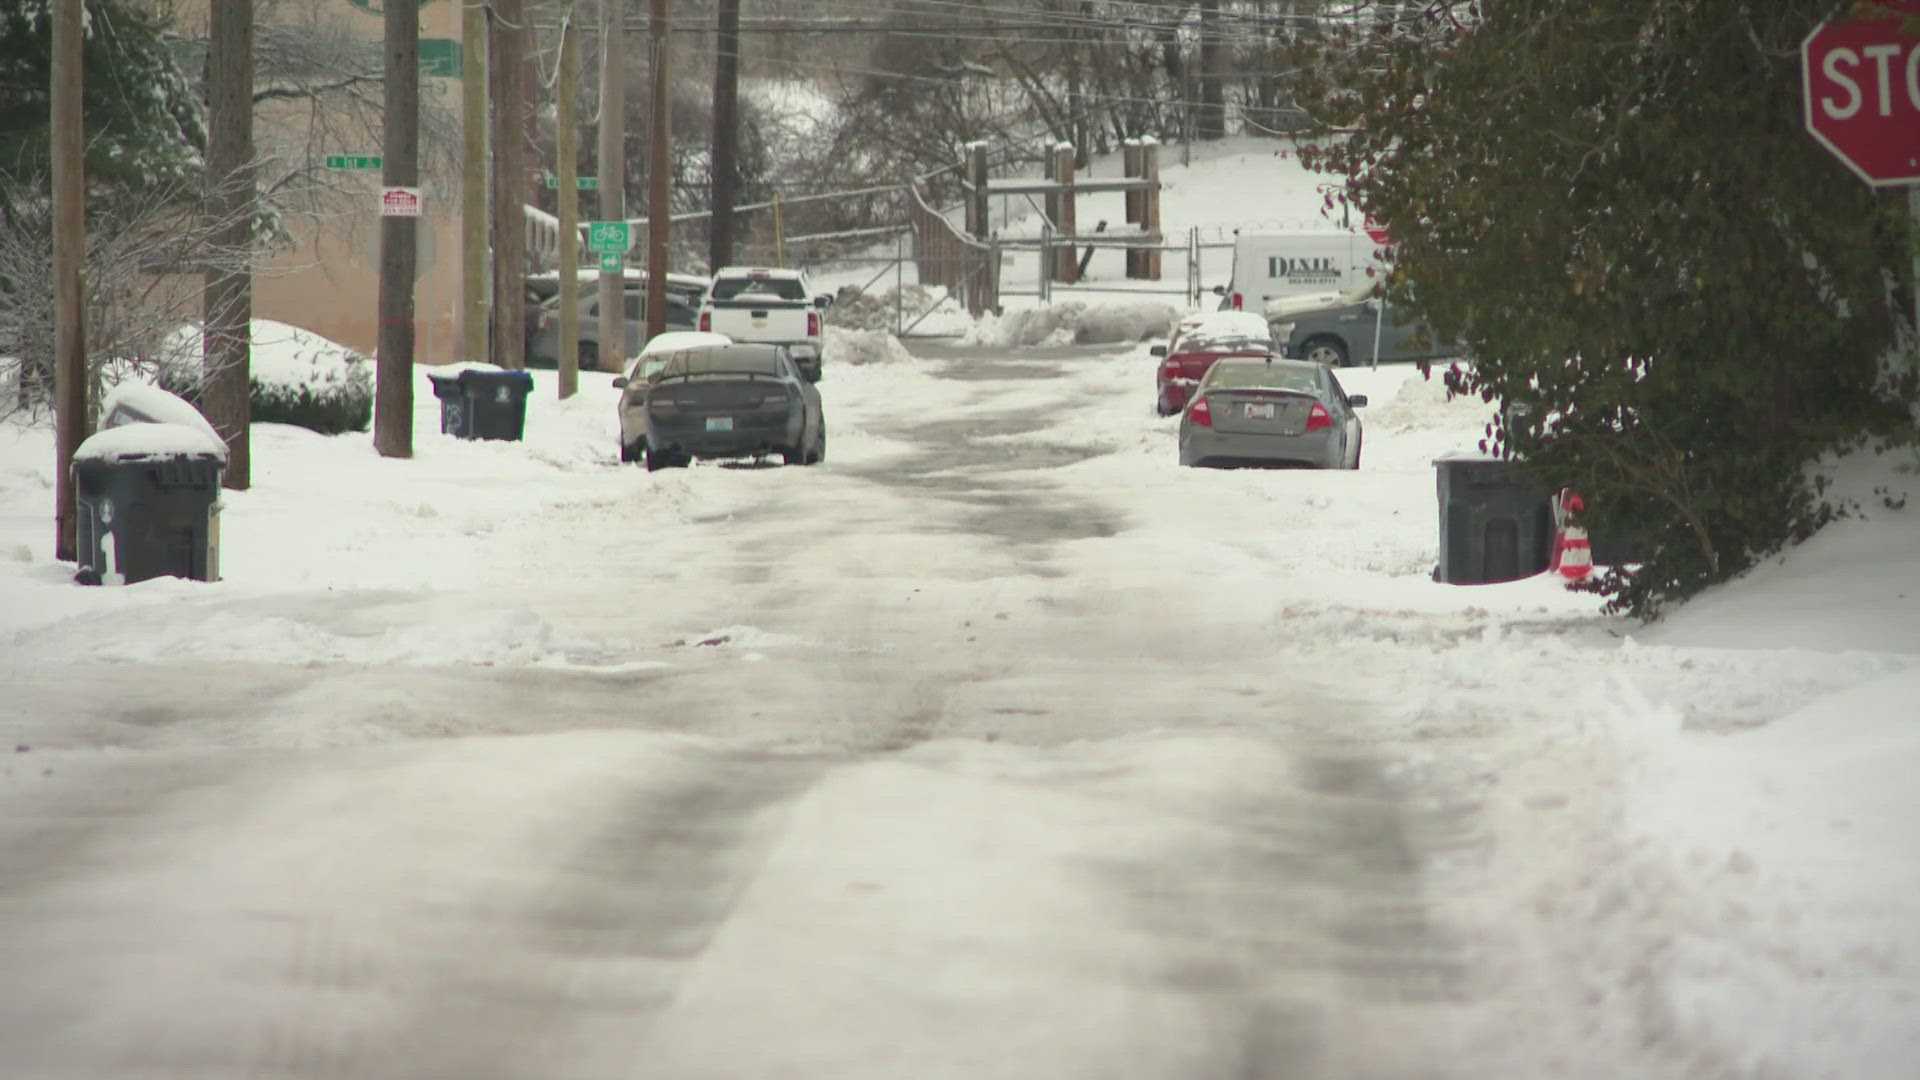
[{"x": 771, "y": 306}]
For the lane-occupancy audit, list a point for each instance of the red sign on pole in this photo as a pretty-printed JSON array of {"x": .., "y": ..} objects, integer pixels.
[
  {"x": 399, "y": 202},
  {"x": 1860, "y": 82}
]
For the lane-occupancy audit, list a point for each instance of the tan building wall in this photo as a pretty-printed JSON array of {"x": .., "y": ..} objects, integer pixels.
[{"x": 328, "y": 282}]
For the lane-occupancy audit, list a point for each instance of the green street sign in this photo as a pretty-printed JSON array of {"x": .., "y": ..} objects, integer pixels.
[
  {"x": 607, "y": 236},
  {"x": 611, "y": 263},
  {"x": 439, "y": 58},
  {"x": 584, "y": 183},
  {"x": 374, "y": 7},
  {"x": 353, "y": 161}
]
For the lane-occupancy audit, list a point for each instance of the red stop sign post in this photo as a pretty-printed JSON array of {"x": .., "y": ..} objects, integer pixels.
[{"x": 1860, "y": 81}]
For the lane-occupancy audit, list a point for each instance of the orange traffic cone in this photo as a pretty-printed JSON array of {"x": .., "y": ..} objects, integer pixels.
[{"x": 1572, "y": 553}]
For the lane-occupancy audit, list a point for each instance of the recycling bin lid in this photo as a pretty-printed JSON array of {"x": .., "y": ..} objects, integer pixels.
[
  {"x": 131, "y": 442},
  {"x": 455, "y": 370},
  {"x": 139, "y": 403}
]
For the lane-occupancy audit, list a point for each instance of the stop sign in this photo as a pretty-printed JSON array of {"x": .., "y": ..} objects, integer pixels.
[{"x": 1861, "y": 87}]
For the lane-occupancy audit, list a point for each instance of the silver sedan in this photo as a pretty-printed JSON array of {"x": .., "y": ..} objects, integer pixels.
[{"x": 1272, "y": 412}]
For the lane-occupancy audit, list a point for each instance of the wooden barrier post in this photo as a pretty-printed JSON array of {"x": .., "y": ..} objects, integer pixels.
[
  {"x": 1130, "y": 155},
  {"x": 1066, "y": 269},
  {"x": 977, "y": 169},
  {"x": 1150, "y": 207}
]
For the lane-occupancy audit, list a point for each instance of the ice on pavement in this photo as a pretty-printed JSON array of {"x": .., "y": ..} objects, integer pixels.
[{"x": 1019, "y": 750}]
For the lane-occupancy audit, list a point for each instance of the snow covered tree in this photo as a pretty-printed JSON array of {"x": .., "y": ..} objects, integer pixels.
[
  {"x": 1682, "y": 301},
  {"x": 146, "y": 127}
]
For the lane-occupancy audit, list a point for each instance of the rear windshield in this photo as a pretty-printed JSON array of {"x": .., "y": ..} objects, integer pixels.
[
  {"x": 1199, "y": 342},
  {"x": 1263, "y": 377},
  {"x": 698, "y": 362},
  {"x": 784, "y": 288}
]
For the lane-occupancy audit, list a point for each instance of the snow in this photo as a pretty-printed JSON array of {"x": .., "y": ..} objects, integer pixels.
[
  {"x": 284, "y": 357},
  {"x": 138, "y": 441},
  {"x": 506, "y": 759},
  {"x": 1073, "y": 322},
  {"x": 137, "y": 402}
]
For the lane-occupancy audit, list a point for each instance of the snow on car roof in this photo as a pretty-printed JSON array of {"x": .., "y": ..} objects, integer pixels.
[
  {"x": 676, "y": 340},
  {"x": 1226, "y": 323}
]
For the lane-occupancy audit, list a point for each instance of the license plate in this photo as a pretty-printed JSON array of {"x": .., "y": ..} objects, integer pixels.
[
  {"x": 760, "y": 322},
  {"x": 1260, "y": 411},
  {"x": 719, "y": 423}
]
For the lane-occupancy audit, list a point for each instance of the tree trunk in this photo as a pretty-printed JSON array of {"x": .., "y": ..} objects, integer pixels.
[
  {"x": 726, "y": 133},
  {"x": 227, "y": 298}
]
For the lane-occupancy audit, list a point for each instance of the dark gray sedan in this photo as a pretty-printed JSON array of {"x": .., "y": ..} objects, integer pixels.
[
  {"x": 734, "y": 401},
  {"x": 1271, "y": 412}
]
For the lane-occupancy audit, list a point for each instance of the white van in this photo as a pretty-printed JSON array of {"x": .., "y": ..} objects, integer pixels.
[{"x": 1283, "y": 266}]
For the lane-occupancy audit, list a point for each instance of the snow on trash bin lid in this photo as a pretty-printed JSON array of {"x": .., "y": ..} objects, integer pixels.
[
  {"x": 141, "y": 440},
  {"x": 139, "y": 403},
  {"x": 461, "y": 367}
]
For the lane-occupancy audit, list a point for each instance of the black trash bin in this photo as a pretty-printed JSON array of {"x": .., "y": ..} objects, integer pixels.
[
  {"x": 1495, "y": 525},
  {"x": 147, "y": 505},
  {"x": 477, "y": 403}
]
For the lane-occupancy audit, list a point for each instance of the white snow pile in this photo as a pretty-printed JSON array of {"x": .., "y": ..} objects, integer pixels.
[
  {"x": 138, "y": 403},
  {"x": 1072, "y": 322},
  {"x": 285, "y": 358},
  {"x": 860, "y": 347}
]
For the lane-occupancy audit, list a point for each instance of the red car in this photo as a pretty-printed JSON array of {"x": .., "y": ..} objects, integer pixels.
[{"x": 1196, "y": 343}]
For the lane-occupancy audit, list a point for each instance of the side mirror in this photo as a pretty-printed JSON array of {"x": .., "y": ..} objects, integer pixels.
[
  {"x": 619, "y": 382},
  {"x": 823, "y": 301},
  {"x": 1157, "y": 350},
  {"x": 1357, "y": 401},
  {"x": 1219, "y": 290}
]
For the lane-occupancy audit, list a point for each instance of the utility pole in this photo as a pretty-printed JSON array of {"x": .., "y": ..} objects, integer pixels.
[
  {"x": 506, "y": 78},
  {"x": 659, "y": 171},
  {"x": 613, "y": 173},
  {"x": 473, "y": 180},
  {"x": 399, "y": 168},
  {"x": 69, "y": 259},
  {"x": 227, "y": 297},
  {"x": 566, "y": 83},
  {"x": 726, "y": 133}
]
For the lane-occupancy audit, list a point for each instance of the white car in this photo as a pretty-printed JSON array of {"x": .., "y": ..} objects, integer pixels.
[{"x": 769, "y": 306}]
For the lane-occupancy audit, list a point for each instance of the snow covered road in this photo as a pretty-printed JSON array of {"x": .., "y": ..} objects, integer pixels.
[{"x": 997, "y": 746}]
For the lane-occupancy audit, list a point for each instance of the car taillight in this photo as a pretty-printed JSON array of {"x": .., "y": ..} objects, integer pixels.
[
  {"x": 1237, "y": 302},
  {"x": 1170, "y": 369},
  {"x": 662, "y": 404},
  {"x": 1201, "y": 412},
  {"x": 1319, "y": 419},
  {"x": 706, "y": 321},
  {"x": 813, "y": 324},
  {"x": 775, "y": 402}
]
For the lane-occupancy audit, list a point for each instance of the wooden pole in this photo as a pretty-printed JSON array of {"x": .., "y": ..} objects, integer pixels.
[
  {"x": 612, "y": 169},
  {"x": 1150, "y": 208},
  {"x": 565, "y": 156},
  {"x": 1067, "y": 268},
  {"x": 227, "y": 296},
  {"x": 659, "y": 170},
  {"x": 977, "y": 172},
  {"x": 474, "y": 298},
  {"x": 69, "y": 260},
  {"x": 726, "y": 133},
  {"x": 506, "y": 78},
  {"x": 399, "y": 167}
]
